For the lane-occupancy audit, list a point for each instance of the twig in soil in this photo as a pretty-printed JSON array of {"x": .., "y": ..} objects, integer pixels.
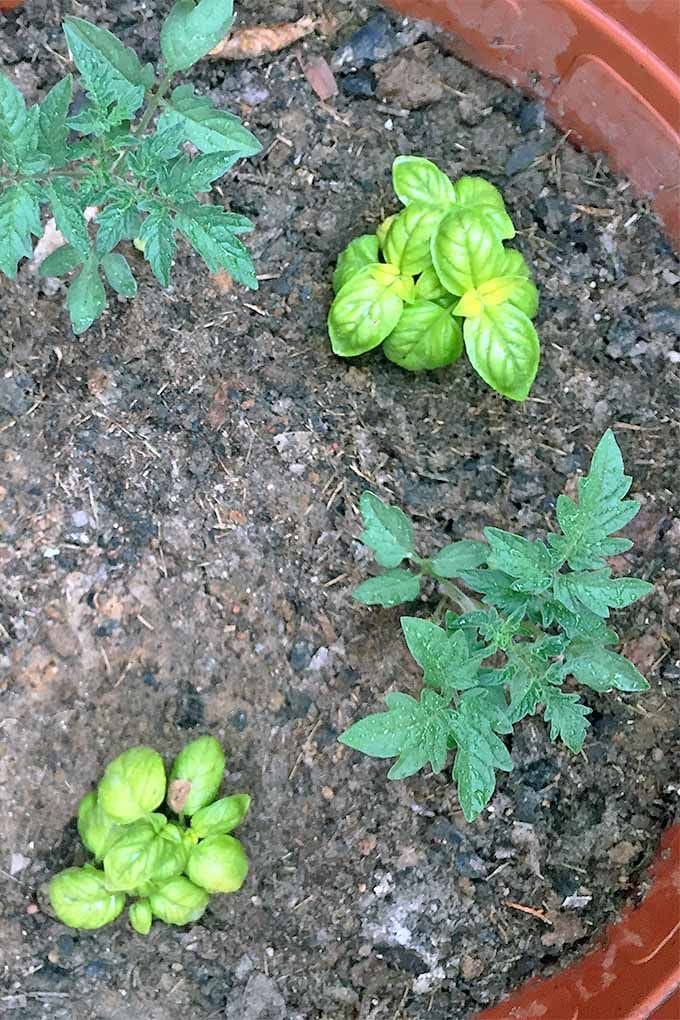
[
  {"x": 334, "y": 580},
  {"x": 304, "y": 748},
  {"x": 496, "y": 871},
  {"x": 403, "y": 1001},
  {"x": 538, "y": 914}
]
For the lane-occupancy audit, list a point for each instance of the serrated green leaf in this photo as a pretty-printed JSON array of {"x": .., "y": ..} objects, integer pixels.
[
  {"x": 600, "y": 511},
  {"x": 601, "y": 669},
  {"x": 86, "y": 297},
  {"x": 367, "y": 309},
  {"x": 480, "y": 751},
  {"x": 91, "y": 120},
  {"x": 118, "y": 221},
  {"x": 60, "y": 262},
  {"x": 465, "y": 252},
  {"x": 497, "y": 588},
  {"x": 444, "y": 658},
  {"x": 598, "y": 591},
  {"x": 408, "y": 240},
  {"x": 192, "y": 29},
  {"x": 111, "y": 72},
  {"x": 387, "y": 530},
  {"x": 187, "y": 177},
  {"x": 529, "y": 563},
  {"x": 52, "y": 126},
  {"x": 207, "y": 229},
  {"x": 18, "y": 130},
  {"x": 209, "y": 129},
  {"x": 525, "y": 695},
  {"x": 463, "y": 555},
  {"x": 474, "y": 194},
  {"x": 148, "y": 159},
  {"x": 119, "y": 275},
  {"x": 390, "y": 589},
  {"x": 425, "y": 338},
  {"x": 419, "y": 180},
  {"x": 157, "y": 234},
  {"x": 359, "y": 253},
  {"x": 19, "y": 218},
  {"x": 503, "y": 349},
  {"x": 68, "y": 212},
  {"x": 416, "y": 731},
  {"x": 566, "y": 715}
]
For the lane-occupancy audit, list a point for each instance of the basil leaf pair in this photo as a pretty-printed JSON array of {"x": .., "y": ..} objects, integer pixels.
[
  {"x": 368, "y": 308},
  {"x": 500, "y": 340},
  {"x": 420, "y": 182}
]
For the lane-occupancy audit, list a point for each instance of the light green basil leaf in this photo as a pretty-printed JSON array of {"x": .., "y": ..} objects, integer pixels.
[
  {"x": 426, "y": 337},
  {"x": 367, "y": 309},
  {"x": 384, "y": 229},
  {"x": 465, "y": 252},
  {"x": 218, "y": 864},
  {"x": 221, "y": 817},
  {"x": 141, "y": 917},
  {"x": 503, "y": 349},
  {"x": 430, "y": 288},
  {"x": 479, "y": 196},
  {"x": 200, "y": 765},
  {"x": 516, "y": 290},
  {"x": 418, "y": 180},
  {"x": 80, "y": 898},
  {"x": 515, "y": 264},
  {"x": 178, "y": 901},
  {"x": 97, "y": 831},
  {"x": 359, "y": 253},
  {"x": 408, "y": 240}
]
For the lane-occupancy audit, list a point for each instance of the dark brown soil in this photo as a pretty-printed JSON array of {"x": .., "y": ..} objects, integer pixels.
[{"x": 178, "y": 495}]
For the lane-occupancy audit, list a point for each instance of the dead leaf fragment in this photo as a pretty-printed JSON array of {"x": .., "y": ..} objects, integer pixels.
[
  {"x": 261, "y": 39},
  {"x": 178, "y": 793},
  {"x": 321, "y": 78},
  {"x": 222, "y": 281}
]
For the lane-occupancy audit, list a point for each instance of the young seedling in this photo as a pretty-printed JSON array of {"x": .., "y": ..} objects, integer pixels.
[
  {"x": 110, "y": 155},
  {"x": 541, "y": 621},
  {"x": 169, "y": 868},
  {"x": 445, "y": 281}
]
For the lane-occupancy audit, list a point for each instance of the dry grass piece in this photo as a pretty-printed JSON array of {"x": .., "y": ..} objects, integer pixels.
[{"x": 260, "y": 40}]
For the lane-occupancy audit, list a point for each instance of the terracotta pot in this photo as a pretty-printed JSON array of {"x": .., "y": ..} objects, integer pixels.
[
  {"x": 634, "y": 975},
  {"x": 607, "y": 70},
  {"x": 9, "y": 5}
]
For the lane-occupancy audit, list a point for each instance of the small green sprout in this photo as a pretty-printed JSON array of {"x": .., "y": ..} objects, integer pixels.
[
  {"x": 144, "y": 854},
  {"x": 542, "y": 621},
  {"x": 131, "y": 170}
]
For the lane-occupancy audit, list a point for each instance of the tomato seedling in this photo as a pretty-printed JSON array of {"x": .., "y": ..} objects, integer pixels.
[
  {"x": 541, "y": 621},
  {"x": 109, "y": 157},
  {"x": 169, "y": 868},
  {"x": 446, "y": 281}
]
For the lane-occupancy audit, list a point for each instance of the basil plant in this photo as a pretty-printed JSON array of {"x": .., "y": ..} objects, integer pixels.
[
  {"x": 169, "y": 866},
  {"x": 436, "y": 278}
]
